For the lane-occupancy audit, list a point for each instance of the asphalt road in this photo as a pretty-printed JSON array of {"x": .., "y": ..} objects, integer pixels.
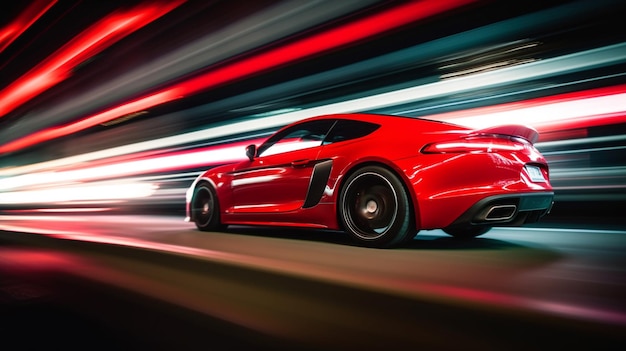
[{"x": 129, "y": 281}]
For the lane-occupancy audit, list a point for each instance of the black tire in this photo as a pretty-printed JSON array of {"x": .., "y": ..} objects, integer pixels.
[
  {"x": 467, "y": 232},
  {"x": 205, "y": 209},
  {"x": 374, "y": 208}
]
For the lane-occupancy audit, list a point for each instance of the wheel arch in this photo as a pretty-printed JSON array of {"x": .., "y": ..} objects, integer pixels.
[{"x": 191, "y": 190}]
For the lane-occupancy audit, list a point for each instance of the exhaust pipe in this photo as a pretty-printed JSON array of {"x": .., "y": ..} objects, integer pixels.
[{"x": 500, "y": 212}]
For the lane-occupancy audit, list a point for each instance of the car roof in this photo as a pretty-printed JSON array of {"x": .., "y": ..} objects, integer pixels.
[{"x": 378, "y": 118}]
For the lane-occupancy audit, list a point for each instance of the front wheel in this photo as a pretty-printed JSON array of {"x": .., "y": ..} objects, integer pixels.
[
  {"x": 374, "y": 208},
  {"x": 205, "y": 208}
]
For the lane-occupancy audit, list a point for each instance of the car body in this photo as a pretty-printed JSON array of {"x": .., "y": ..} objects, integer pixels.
[{"x": 379, "y": 178}]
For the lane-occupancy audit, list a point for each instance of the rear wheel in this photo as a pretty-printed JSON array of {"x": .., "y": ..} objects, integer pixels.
[
  {"x": 205, "y": 208},
  {"x": 467, "y": 232},
  {"x": 374, "y": 208}
]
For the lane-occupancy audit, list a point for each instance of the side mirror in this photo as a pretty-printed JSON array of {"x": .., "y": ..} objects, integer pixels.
[{"x": 251, "y": 151}]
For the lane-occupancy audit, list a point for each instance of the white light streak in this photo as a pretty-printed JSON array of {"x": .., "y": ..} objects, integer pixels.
[
  {"x": 155, "y": 164},
  {"x": 549, "y": 113},
  {"x": 109, "y": 191}
]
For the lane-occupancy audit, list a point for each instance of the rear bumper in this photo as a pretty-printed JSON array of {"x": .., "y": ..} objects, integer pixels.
[{"x": 506, "y": 210}]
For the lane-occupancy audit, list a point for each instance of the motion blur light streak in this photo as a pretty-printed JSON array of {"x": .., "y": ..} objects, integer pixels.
[
  {"x": 66, "y": 210},
  {"x": 578, "y": 141},
  {"x": 163, "y": 163},
  {"x": 581, "y": 108},
  {"x": 491, "y": 36},
  {"x": 30, "y": 15},
  {"x": 92, "y": 41},
  {"x": 256, "y": 30},
  {"x": 100, "y": 192},
  {"x": 108, "y": 115},
  {"x": 316, "y": 44},
  {"x": 44, "y": 231}
]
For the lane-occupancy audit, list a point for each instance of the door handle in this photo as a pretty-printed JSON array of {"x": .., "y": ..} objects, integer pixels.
[{"x": 300, "y": 163}]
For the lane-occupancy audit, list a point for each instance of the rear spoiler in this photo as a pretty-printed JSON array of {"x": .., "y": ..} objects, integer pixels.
[{"x": 514, "y": 130}]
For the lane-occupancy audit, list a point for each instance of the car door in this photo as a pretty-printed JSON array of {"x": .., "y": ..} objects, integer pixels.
[{"x": 278, "y": 178}]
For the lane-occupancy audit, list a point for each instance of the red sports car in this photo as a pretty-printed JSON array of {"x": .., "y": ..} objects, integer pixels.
[{"x": 379, "y": 178}]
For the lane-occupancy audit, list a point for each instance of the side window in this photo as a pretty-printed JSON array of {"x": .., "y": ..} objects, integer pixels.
[
  {"x": 298, "y": 137},
  {"x": 346, "y": 129}
]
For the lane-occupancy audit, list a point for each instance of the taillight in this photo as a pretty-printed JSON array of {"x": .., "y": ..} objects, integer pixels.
[{"x": 476, "y": 144}]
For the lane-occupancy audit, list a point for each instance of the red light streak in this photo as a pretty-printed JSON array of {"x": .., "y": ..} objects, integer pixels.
[
  {"x": 551, "y": 125},
  {"x": 31, "y": 14},
  {"x": 349, "y": 33},
  {"x": 343, "y": 35},
  {"x": 96, "y": 38},
  {"x": 55, "y": 132}
]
